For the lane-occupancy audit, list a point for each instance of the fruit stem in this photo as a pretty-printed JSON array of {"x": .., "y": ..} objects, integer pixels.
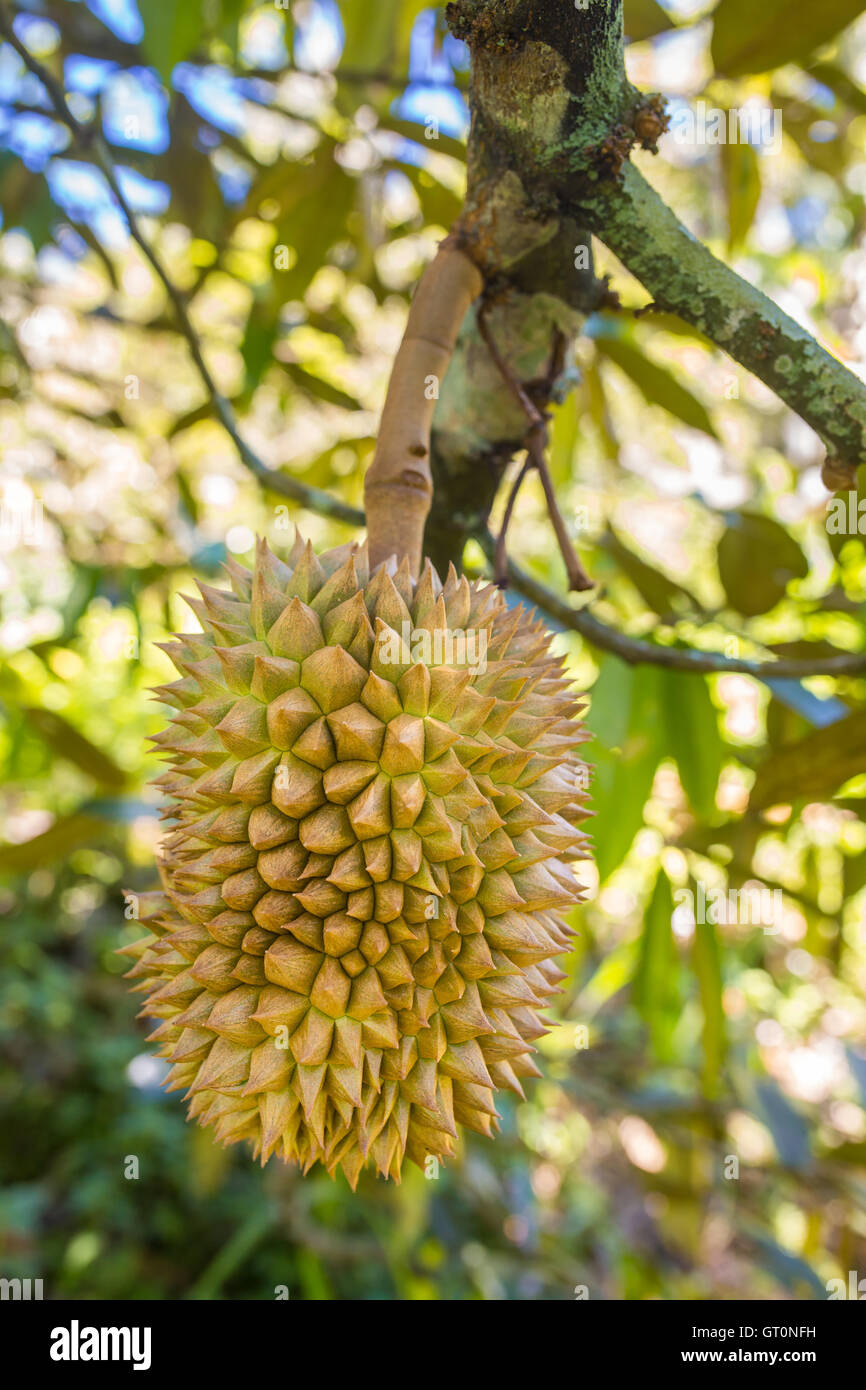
[{"x": 398, "y": 487}]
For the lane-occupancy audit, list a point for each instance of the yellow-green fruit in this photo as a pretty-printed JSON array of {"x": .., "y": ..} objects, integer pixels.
[{"x": 374, "y": 790}]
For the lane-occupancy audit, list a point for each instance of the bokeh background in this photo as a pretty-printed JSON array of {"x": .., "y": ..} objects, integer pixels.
[{"x": 700, "y": 1131}]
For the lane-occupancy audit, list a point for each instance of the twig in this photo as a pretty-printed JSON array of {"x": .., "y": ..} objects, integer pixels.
[
  {"x": 314, "y": 498},
  {"x": 536, "y": 447},
  {"x": 500, "y": 568},
  {"x": 636, "y": 652}
]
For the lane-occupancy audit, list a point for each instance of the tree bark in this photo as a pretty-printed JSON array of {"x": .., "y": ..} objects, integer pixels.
[
  {"x": 535, "y": 66},
  {"x": 554, "y": 119}
]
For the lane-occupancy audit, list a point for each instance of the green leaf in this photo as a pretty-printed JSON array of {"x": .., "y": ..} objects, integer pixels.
[
  {"x": 656, "y": 384},
  {"x": 792, "y": 1272},
  {"x": 644, "y": 18},
  {"x": 415, "y": 131},
  {"x": 39, "y": 217},
  {"x": 565, "y": 432},
  {"x": 664, "y": 322},
  {"x": 593, "y": 390},
  {"x": 751, "y": 38},
  {"x": 854, "y": 872},
  {"x": 66, "y": 834},
  {"x": 377, "y": 36},
  {"x": 190, "y": 173},
  {"x": 228, "y": 19},
  {"x": 439, "y": 204},
  {"x": 322, "y": 219},
  {"x": 813, "y": 768},
  {"x": 788, "y": 1127},
  {"x": 663, "y": 595},
  {"x": 171, "y": 32},
  {"x": 798, "y": 120},
  {"x": 843, "y": 87},
  {"x": 741, "y": 175},
  {"x": 625, "y": 717},
  {"x": 188, "y": 501},
  {"x": 655, "y": 991},
  {"x": 26, "y": 201},
  {"x": 313, "y": 385},
  {"x": 757, "y": 559},
  {"x": 707, "y": 965},
  {"x": 692, "y": 729},
  {"x": 257, "y": 346},
  {"x": 65, "y": 740},
  {"x": 612, "y": 975}
]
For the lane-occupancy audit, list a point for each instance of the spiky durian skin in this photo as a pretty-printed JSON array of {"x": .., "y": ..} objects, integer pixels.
[{"x": 364, "y": 879}]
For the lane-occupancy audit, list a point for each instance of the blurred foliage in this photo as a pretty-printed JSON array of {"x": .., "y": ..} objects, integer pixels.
[{"x": 295, "y": 167}]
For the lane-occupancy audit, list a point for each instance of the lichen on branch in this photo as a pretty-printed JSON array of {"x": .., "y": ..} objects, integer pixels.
[
  {"x": 554, "y": 121},
  {"x": 686, "y": 279}
]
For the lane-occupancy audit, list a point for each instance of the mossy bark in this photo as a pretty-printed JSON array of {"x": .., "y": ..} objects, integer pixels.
[
  {"x": 554, "y": 119},
  {"x": 547, "y": 80},
  {"x": 684, "y": 278}
]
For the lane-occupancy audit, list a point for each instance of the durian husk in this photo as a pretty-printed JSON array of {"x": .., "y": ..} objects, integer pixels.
[{"x": 366, "y": 864}]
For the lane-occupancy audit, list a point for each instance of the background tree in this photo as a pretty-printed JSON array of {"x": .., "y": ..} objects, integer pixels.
[{"x": 213, "y": 216}]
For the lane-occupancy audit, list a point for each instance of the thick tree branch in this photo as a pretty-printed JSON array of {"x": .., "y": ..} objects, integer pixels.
[
  {"x": 554, "y": 120},
  {"x": 478, "y": 425},
  {"x": 685, "y": 278},
  {"x": 527, "y": 60},
  {"x": 529, "y": 308}
]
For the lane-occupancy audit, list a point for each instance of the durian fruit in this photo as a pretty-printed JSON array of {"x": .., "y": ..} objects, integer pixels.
[{"x": 369, "y": 856}]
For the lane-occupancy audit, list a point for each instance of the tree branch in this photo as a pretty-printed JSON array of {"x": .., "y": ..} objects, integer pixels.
[
  {"x": 629, "y": 649},
  {"x": 636, "y": 652},
  {"x": 478, "y": 424},
  {"x": 685, "y": 278},
  {"x": 554, "y": 123},
  {"x": 536, "y": 441}
]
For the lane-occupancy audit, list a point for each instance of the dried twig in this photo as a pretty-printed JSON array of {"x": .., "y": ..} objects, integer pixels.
[
  {"x": 535, "y": 440},
  {"x": 500, "y": 568}
]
